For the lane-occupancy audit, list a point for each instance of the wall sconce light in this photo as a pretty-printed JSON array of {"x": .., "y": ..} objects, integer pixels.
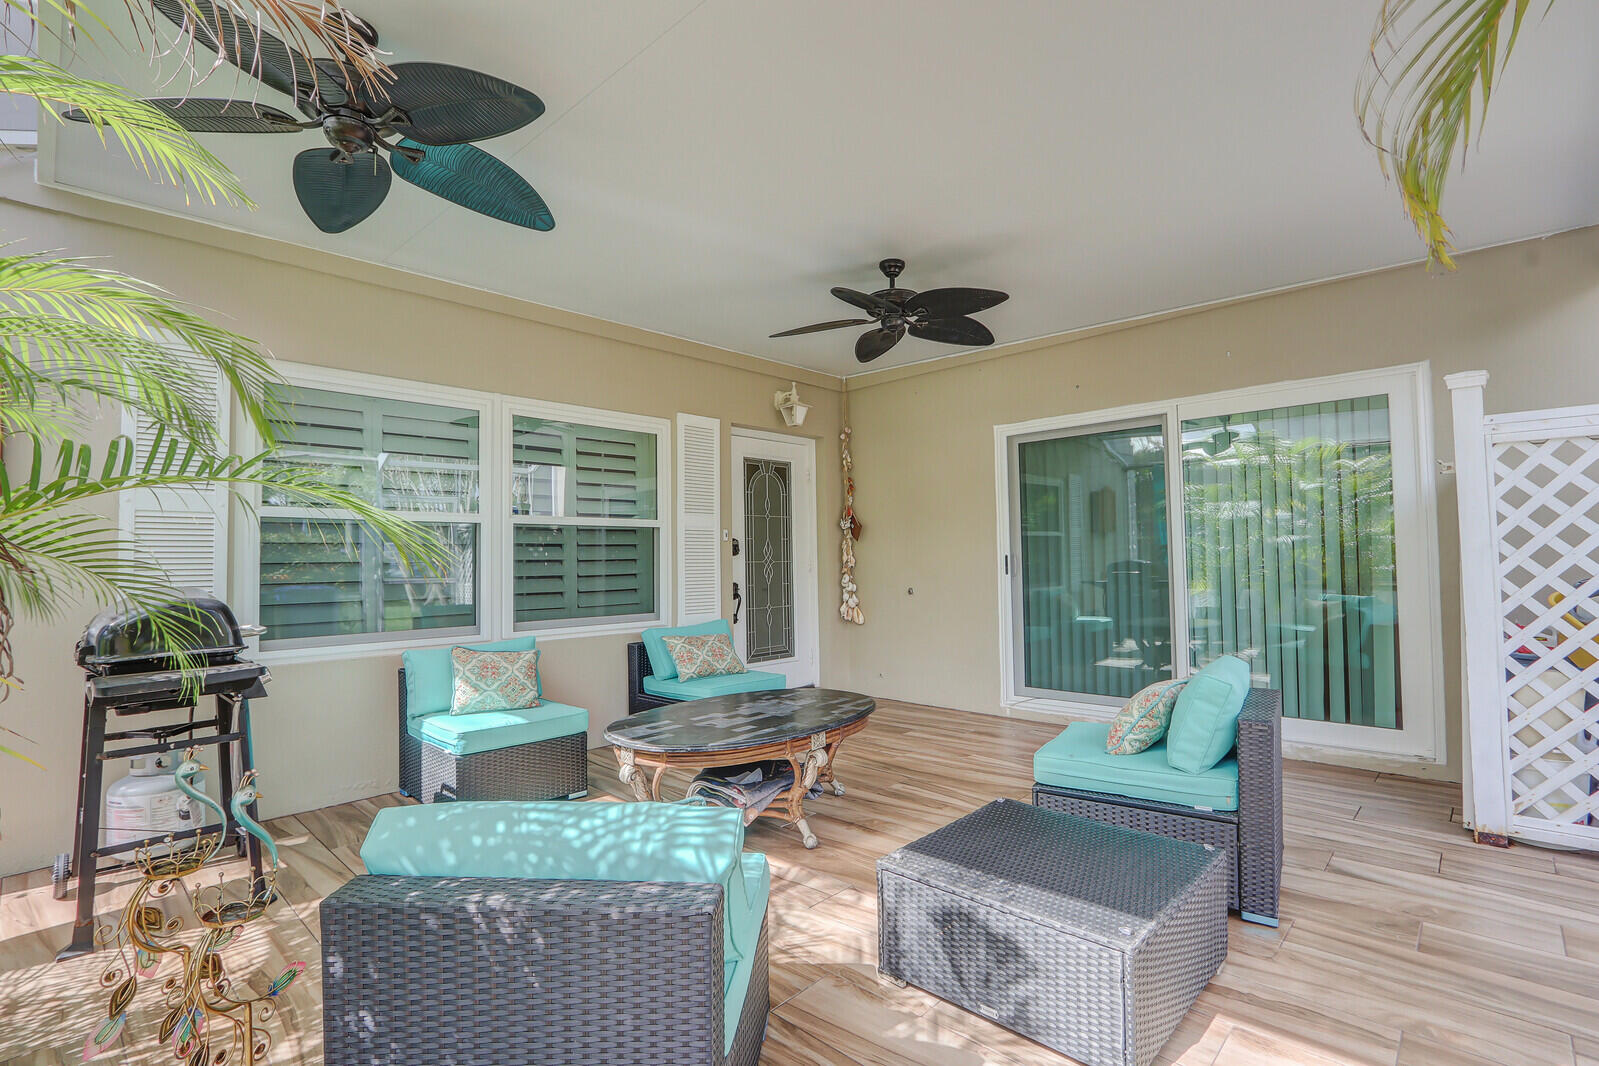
[{"x": 789, "y": 406}]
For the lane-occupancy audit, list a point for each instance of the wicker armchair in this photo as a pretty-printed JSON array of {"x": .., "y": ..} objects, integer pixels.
[
  {"x": 523, "y": 972},
  {"x": 549, "y": 769},
  {"x": 1253, "y": 833},
  {"x": 638, "y": 668}
]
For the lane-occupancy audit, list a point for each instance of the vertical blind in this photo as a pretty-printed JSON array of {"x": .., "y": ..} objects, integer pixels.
[
  {"x": 1289, "y": 519},
  {"x": 324, "y": 577},
  {"x": 587, "y": 522}
]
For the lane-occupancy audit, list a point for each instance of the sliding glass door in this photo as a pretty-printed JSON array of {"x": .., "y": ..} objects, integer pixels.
[
  {"x": 1094, "y": 590},
  {"x": 1293, "y": 533},
  {"x": 1289, "y": 516}
]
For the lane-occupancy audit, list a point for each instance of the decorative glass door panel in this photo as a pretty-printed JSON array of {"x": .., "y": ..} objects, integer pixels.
[
  {"x": 1291, "y": 554},
  {"x": 769, "y": 563},
  {"x": 1091, "y": 583}
]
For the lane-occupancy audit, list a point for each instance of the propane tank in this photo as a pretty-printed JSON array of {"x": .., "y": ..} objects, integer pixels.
[{"x": 147, "y": 802}]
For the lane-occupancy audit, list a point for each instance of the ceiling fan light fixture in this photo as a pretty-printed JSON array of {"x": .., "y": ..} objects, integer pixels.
[{"x": 940, "y": 315}]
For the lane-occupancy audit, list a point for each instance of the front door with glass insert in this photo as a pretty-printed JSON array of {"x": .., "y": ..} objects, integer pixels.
[
  {"x": 769, "y": 620},
  {"x": 1290, "y": 526},
  {"x": 774, "y": 568}
]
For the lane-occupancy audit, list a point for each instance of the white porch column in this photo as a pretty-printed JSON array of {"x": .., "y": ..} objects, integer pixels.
[{"x": 1487, "y": 782}]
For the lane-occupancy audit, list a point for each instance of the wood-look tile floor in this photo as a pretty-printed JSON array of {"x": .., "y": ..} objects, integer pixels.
[{"x": 1402, "y": 942}]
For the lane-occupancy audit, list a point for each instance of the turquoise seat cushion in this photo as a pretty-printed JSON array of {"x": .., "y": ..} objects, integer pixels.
[
  {"x": 430, "y": 677},
  {"x": 670, "y": 842},
  {"x": 1077, "y": 759},
  {"x": 737, "y": 972},
  {"x": 750, "y": 681},
  {"x": 662, "y": 665},
  {"x": 1204, "y": 721},
  {"x": 480, "y": 731}
]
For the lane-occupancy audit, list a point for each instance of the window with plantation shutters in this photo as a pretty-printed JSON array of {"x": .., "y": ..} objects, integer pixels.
[
  {"x": 699, "y": 519},
  {"x": 326, "y": 579},
  {"x": 586, "y": 524},
  {"x": 182, "y": 529}
]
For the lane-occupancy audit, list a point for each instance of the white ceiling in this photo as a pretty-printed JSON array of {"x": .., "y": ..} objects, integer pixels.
[{"x": 716, "y": 165}]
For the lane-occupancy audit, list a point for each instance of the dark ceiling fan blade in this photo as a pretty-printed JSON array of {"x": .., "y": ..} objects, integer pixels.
[
  {"x": 443, "y": 104},
  {"x": 864, "y": 301},
  {"x": 217, "y": 116},
  {"x": 874, "y": 343},
  {"x": 338, "y": 195},
  {"x": 960, "y": 330},
  {"x": 469, "y": 176},
  {"x": 952, "y": 303},
  {"x": 840, "y": 324},
  {"x": 257, "y": 53}
]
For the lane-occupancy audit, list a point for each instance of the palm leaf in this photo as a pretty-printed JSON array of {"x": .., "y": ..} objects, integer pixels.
[
  {"x": 306, "y": 26},
  {"x": 1431, "y": 64},
  {"x": 52, "y": 553},
  {"x": 153, "y": 139},
  {"x": 67, "y": 325}
]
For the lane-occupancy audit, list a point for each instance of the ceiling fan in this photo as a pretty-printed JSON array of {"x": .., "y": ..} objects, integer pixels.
[
  {"x": 424, "y": 118},
  {"x": 935, "y": 315}
]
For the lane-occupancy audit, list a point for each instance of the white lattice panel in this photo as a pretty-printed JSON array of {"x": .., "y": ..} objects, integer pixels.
[{"x": 1545, "y": 495}]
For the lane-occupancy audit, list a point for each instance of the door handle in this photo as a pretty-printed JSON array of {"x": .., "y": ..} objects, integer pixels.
[{"x": 738, "y": 602}]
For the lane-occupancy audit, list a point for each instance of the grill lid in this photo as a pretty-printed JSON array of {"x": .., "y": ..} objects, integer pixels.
[{"x": 121, "y": 640}]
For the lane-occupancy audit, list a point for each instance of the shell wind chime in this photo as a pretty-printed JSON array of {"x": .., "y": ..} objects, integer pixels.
[
  {"x": 849, "y": 607},
  {"x": 209, "y": 1020}
]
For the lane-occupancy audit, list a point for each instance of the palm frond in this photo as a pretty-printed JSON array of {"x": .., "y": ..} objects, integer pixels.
[
  {"x": 173, "y": 463},
  {"x": 306, "y": 26},
  {"x": 153, "y": 140},
  {"x": 68, "y": 325},
  {"x": 1431, "y": 64}
]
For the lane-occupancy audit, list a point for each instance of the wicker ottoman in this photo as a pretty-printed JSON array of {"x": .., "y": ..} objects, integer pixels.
[{"x": 1091, "y": 939}]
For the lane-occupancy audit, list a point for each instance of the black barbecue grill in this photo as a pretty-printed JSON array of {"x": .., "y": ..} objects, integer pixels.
[{"x": 136, "y": 667}]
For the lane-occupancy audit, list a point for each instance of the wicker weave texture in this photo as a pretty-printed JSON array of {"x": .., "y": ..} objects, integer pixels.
[
  {"x": 549, "y": 769},
  {"x": 638, "y": 668},
  {"x": 1260, "y": 803},
  {"x": 1090, "y": 939},
  {"x": 1253, "y": 833},
  {"x": 477, "y": 971},
  {"x": 1167, "y": 820},
  {"x": 1177, "y": 961}
]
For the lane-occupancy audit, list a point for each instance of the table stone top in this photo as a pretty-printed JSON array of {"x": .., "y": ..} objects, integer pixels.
[{"x": 741, "y": 720}]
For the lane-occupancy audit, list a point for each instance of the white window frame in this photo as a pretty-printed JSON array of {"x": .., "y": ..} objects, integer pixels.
[
  {"x": 493, "y": 517},
  {"x": 247, "y": 586},
  {"x": 1408, "y": 388},
  {"x": 661, "y": 429}
]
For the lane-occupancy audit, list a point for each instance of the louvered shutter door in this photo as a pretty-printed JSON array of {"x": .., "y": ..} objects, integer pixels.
[
  {"x": 185, "y": 530},
  {"x": 699, "y": 519}
]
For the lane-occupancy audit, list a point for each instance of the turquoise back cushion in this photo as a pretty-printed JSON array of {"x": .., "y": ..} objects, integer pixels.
[
  {"x": 570, "y": 842},
  {"x": 1204, "y": 723},
  {"x": 429, "y": 675},
  {"x": 661, "y": 663}
]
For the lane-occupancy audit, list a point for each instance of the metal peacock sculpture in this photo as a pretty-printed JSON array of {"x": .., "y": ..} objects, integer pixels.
[{"x": 208, "y": 1020}]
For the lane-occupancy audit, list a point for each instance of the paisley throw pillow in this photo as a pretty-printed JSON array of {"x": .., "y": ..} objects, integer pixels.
[
  {"x": 1143, "y": 722},
  {"x": 710, "y": 655},
  {"x": 494, "y": 680}
]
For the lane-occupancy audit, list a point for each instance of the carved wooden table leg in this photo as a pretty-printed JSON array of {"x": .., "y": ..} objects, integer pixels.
[
  {"x": 807, "y": 768},
  {"x": 827, "y": 771},
  {"x": 633, "y": 777}
]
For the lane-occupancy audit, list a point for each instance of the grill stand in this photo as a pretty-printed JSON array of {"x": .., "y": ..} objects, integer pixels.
[{"x": 232, "y": 710}]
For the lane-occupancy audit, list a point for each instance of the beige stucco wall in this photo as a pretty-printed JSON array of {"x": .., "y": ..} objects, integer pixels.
[
  {"x": 327, "y": 733},
  {"x": 924, "y": 442}
]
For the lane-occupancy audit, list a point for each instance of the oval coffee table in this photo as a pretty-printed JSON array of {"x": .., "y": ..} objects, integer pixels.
[{"x": 805, "y": 726}]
